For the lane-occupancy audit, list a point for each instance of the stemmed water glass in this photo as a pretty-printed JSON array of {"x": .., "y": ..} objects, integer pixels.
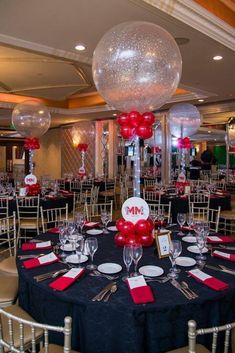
[
  {"x": 127, "y": 259},
  {"x": 91, "y": 246},
  {"x": 181, "y": 218},
  {"x": 73, "y": 240},
  {"x": 175, "y": 249},
  {"x": 79, "y": 248},
  {"x": 137, "y": 252},
  {"x": 105, "y": 218},
  {"x": 190, "y": 222},
  {"x": 201, "y": 238},
  {"x": 80, "y": 221}
]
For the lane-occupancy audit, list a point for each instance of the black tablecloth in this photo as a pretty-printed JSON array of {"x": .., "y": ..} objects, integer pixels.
[{"x": 120, "y": 326}]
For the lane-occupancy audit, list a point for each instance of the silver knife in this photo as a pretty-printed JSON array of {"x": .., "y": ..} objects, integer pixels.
[
  {"x": 227, "y": 247},
  {"x": 220, "y": 269},
  {"x": 103, "y": 292},
  {"x": 178, "y": 286}
]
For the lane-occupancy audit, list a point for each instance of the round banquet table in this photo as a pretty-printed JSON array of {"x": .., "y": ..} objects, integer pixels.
[{"x": 120, "y": 326}]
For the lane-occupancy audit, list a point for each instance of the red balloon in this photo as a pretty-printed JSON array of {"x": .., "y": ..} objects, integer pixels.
[
  {"x": 128, "y": 228},
  {"x": 123, "y": 119},
  {"x": 148, "y": 118},
  {"x": 151, "y": 224},
  {"x": 142, "y": 227},
  {"x": 127, "y": 132},
  {"x": 131, "y": 239},
  {"x": 135, "y": 119},
  {"x": 120, "y": 239},
  {"x": 34, "y": 189},
  {"x": 144, "y": 131},
  {"x": 145, "y": 239},
  {"x": 119, "y": 224}
]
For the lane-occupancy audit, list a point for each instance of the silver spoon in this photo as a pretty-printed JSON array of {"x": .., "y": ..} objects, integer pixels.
[{"x": 112, "y": 290}]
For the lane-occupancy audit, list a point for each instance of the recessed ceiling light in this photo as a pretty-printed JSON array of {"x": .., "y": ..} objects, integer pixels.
[
  {"x": 200, "y": 100},
  {"x": 80, "y": 47},
  {"x": 217, "y": 57}
]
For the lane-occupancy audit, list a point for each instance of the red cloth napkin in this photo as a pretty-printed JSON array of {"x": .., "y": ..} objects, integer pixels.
[
  {"x": 64, "y": 192},
  {"x": 35, "y": 246},
  {"x": 208, "y": 280},
  {"x": 224, "y": 255},
  {"x": 53, "y": 230},
  {"x": 91, "y": 224},
  {"x": 67, "y": 279},
  {"x": 140, "y": 292},
  {"x": 215, "y": 239},
  {"x": 41, "y": 261},
  {"x": 186, "y": 229}
]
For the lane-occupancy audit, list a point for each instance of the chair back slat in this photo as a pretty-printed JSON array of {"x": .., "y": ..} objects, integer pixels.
[
  {"x": 51, "y": 217},
  {"x": 10, "y": 329},
  {"x": 21, "y": 329},
  {"x": 8, "y": 235},
  {"x": 214, "y": 342},
  {"x": 46, "y": 341},
  {"x": 226, "y": 341},
  {"x": 33, "y": 340}
]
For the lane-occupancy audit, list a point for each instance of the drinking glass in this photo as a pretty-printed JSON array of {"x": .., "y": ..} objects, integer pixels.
[
  {"x": 62, "y": 239},
  {"x": 91, "y": 246},
  {"x": 198, "y": 227},
  {"x": 105, "y": 218},
  {"x": 72, "y": 240},
  {"x": 137, "y": 252},
  {"x": 70, "y": 227},
  {"x": 127, "y": 259},
  {"x": 175, "y": 249},
  {"x": 201, "y": 238},
  {"x": 190, "y": 222},
  {"x": 181, "y": 218},
  {"x": 79, "y": 248},
  {"x": 80, "y": 221}
]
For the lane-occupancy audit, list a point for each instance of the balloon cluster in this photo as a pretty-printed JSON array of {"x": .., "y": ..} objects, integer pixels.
[
  {"x": 82, "y": 147},
  {"x": 34, "y": 189},
  {"x": 31, "y": 143},
  {"x": 184, "y": 142},
  {"x": 155, "y": 149},
  {"x": 134, "y": 123},
  {"x": 130, "y": 233}
]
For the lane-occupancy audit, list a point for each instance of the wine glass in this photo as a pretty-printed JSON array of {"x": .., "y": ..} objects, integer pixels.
[
  {"x": 181, "y": 218},
  {"x": 175, "y": 249},
  {"x": 201, "y": 238},
  {"x": 72, "y": 240},
  {"x": 105, "y": 218},
  {"x": 80, "y": 221},
  {"x": 70, "y": 227},
  {"x": 137, "y": 252},
  {"x": 91, "y": 246},
  {"x": 190, "y": 222},
  {"x": 62, "y": 238},
  {"x": 79, "y": 248},
  {"x": 127, "y": 259}
]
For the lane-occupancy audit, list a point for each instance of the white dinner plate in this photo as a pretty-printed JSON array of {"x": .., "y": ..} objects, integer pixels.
[
  {"x": 112, "y": 228},
  {"x": 73, "y": 259},
  {"x": 109, "y": 268},
  {"x": 194, "y": 249},
  {"x": 94, "y": 231},
  {"x": 151, "y": 271},
  {"x": 189, "y": 239},
  {"x": 185, "y": 261}
]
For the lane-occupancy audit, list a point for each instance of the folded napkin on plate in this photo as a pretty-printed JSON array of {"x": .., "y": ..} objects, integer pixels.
[
  {"x": 67, "y": 279},
  {"x": 140, "y": 292},
  {"x": 91, "y": 224},
  {"x": 224, "y": 255},
  {"x": 35, "y": 246},
  {"x": 215, "y": 239},
  {"x": 41, "y": 261},
  {"x": 208, "y": 280},
  {"x": 53, "y": 230}
]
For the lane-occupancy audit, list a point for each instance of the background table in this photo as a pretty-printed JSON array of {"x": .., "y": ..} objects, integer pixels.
[{"x": 120, "y": 326}]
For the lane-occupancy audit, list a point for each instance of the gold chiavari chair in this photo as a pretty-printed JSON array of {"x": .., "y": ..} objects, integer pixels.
[
  {"x": 193, "y": 333},
  {"x": 93, "y": 211},
  {"x": 152, "y": 197},
  {"x": 8, "y": 243},
  {"x": 50, "y": 217},
  {"x": 209, "y": 215},
  {"x": 4, "y": 206},
  {"x": 28, "y": 215},
  {"x": 163, "y": 209},
  {"x": 109, "y": 192}
]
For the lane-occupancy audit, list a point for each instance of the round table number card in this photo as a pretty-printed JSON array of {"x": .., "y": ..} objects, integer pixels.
[
  {"x": 135, "y": 209},
  {"x": 30, "y": 179}
]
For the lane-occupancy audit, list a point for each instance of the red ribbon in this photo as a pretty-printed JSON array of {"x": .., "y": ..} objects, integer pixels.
[
  {"x": 31, "y": 143},
  {"x": 233, "y": 149},
  {"x": 184, "y": 142},
  {"x": 155, "y": 149},
  {"x": 82, "y": 147}
]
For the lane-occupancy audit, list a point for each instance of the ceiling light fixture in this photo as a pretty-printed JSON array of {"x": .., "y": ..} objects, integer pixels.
[
  {"x": 217, "y": 57},
  {"x": 200, "y": 100},
  {"x": 80, "y": 47}
]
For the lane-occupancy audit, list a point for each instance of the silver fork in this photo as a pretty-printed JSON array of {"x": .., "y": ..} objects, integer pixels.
[
  {"x": 163, "y": 280},
  {"x": 98, "y": 274}
]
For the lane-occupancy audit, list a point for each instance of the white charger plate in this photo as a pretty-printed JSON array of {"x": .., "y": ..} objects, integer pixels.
[
  {"x": 194, "y": 249},
  {"x": 189, "y": 239},
  {"x": 112, "y": 228},
  {"x": 94, "y": 231},
  {"x": 185, "y": 261},
  {"x": 73, "y": 259},
  {"x": 109, "y": 268},
  {"x": 151, "y": 271}
]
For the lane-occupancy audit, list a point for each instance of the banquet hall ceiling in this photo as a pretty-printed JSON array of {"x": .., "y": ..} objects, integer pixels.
[{"x": 38, "y": 59}]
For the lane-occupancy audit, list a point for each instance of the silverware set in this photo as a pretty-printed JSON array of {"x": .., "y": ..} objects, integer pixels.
[
  {"x": 96, "y": 273},
  {"x": 184, "y": 289},
  {"x": 106, "y": 292},
  {"x": 159, "y": 279},
  {"x": 52, "y": 274},
  {"x": 221, "y": 268},
  {"x": 26, "y": 257}
]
